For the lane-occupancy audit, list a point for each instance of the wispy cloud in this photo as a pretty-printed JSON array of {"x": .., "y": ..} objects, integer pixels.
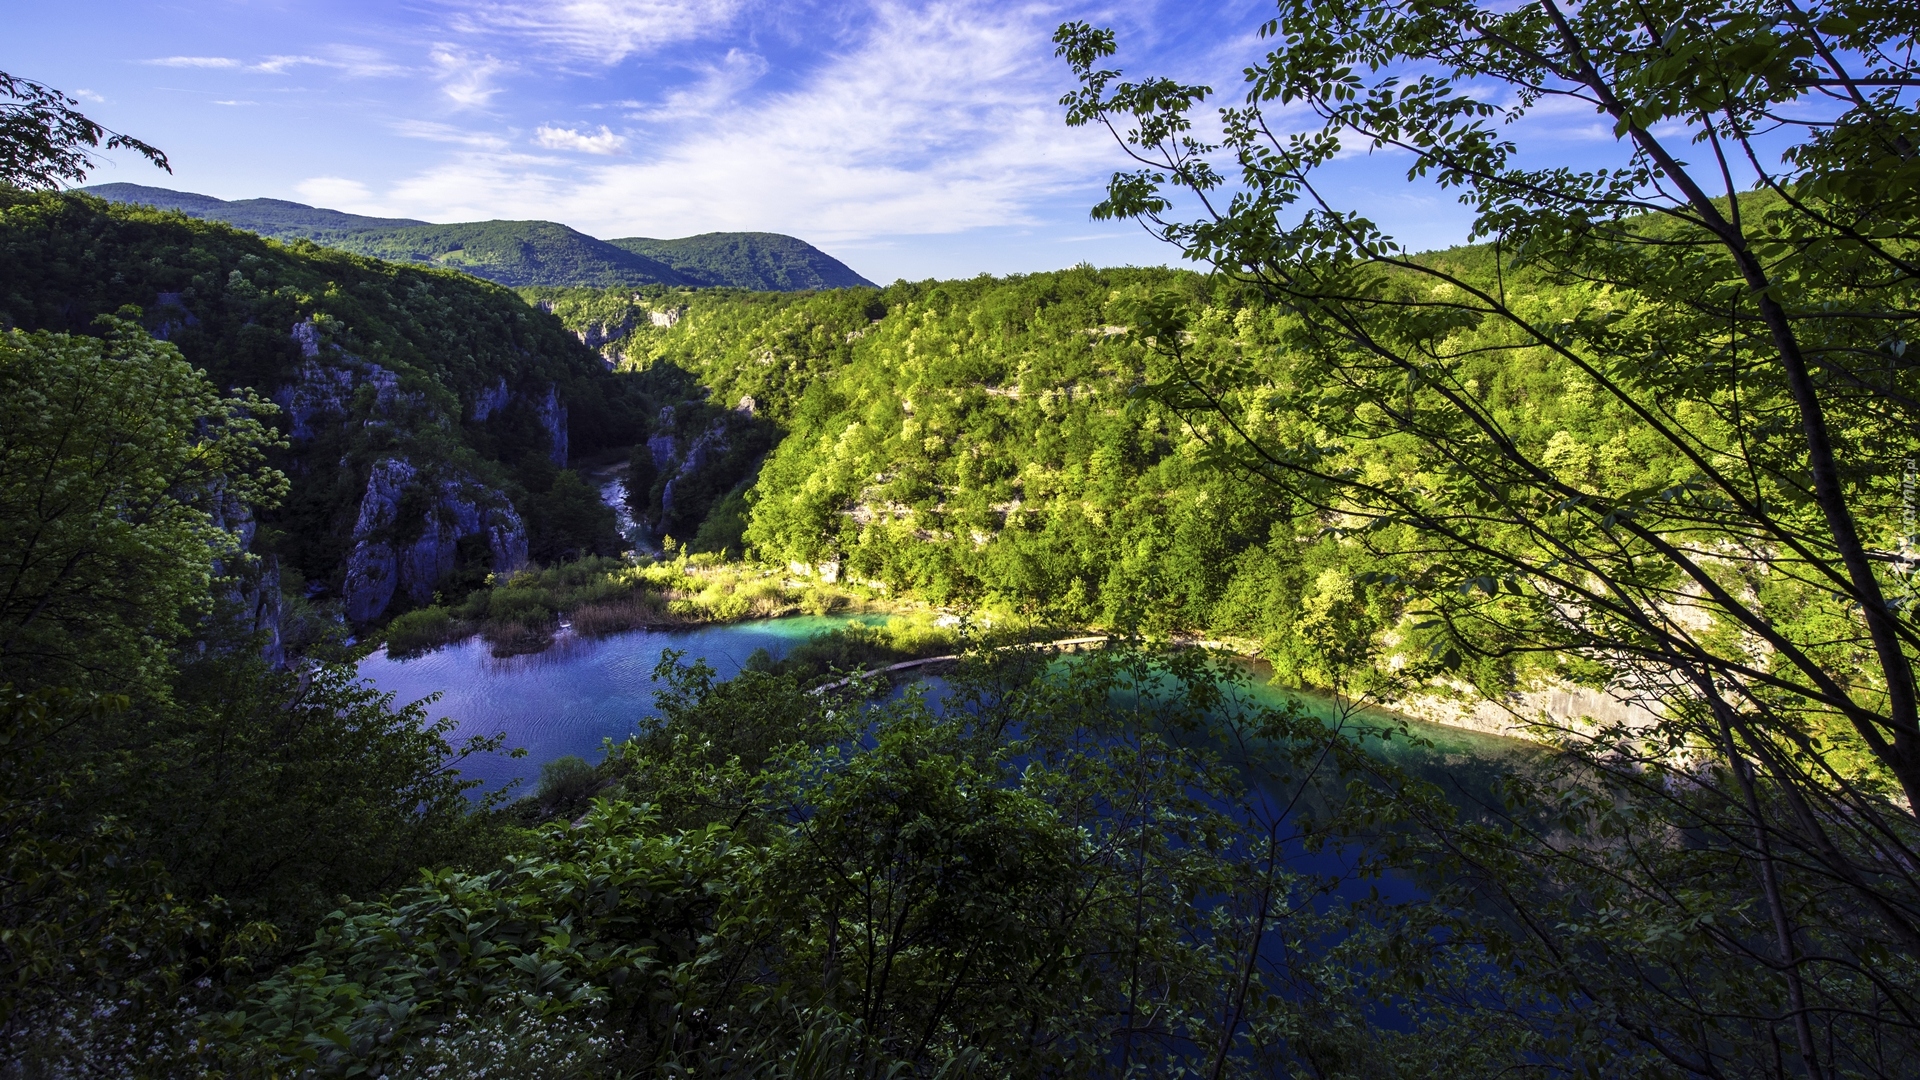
[
  {"x": 604, "y": 142},
  {"x": 334, "y": 192},
  {"x": 196, "y": 62},
  {"x": 433, "y": 131},
  {"x": 718, "y": 85},
  {"x": 88, "y": 95},
  {"x": 467, "y": 80},
  {"x": 347, "y": 59},
  {"x": 605, "y": 31},
  {"x": 231, "y": 102},
  {"x": 939, "y": 119}
]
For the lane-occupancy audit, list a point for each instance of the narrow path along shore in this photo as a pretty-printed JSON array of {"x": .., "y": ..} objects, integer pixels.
[
  {"x": 1561, "y": 705},
  {"x": 905, "y": 665}
]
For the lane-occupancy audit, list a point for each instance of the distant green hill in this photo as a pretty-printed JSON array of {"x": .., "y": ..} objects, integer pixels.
[
  {"x": 277, "y": 218},
  {"x": 514, "y": 253},
  {"x": 522, "y": 253},
  {"x": 767, "y": 262}
]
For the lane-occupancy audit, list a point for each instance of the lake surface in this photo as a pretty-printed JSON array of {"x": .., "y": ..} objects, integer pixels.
[
  {"x": 569, "y": 698},
  {"x": 582, "y": 691}
]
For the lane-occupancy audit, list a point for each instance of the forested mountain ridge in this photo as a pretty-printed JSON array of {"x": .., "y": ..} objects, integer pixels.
[
  {"x": 522, "y": 253},
  {"x": 278, "y": 218},
  {"x": 765, "y": 262},
  {"x": 430, "y": 416}
]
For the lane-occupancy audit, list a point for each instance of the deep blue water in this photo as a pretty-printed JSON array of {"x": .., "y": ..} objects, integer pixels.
[{"x": 569, "y": 698}]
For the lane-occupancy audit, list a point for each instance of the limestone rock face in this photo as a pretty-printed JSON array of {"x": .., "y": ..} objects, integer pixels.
[
  {"x": 598, "y": 334},
  {"x": 553, "y": 417},
  {"x": 412, "y": 514},
  {"x": 321, "y": 393},
  {"x": 383, "y": 563},
  {"x": 373, "y": 566},
  {"x": 319, "y": 397},
  {"x": 250, "y": 585},
  {"x": 704, "y": 446},
  {"x": 491, "y": 400}
]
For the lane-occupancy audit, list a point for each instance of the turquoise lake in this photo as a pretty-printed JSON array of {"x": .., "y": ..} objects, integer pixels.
[{"x": 583, "y": 691}]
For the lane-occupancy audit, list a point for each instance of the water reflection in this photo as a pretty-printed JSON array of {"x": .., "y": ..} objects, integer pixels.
[{"x": 570, "y": 697}]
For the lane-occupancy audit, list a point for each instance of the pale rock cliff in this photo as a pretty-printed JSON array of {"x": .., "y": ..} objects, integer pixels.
[
  {"x": 553, "y": 417},
  {"x": 491, "y": 400},
  {"x": 704, "y": 446},
  {"x": 384, "y": 562}
]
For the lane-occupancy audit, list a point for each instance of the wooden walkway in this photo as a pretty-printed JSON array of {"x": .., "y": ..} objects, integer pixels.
[{"x": 909, "y": 664}]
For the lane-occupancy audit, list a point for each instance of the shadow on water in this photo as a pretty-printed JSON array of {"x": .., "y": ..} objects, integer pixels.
[{"x": 1466, "y": 766}]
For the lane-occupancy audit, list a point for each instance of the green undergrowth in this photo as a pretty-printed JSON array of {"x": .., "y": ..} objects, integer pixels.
[{"x": 601, "y": 595}]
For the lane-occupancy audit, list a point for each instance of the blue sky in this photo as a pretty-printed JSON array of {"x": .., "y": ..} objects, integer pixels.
[{"x": 909, "y": 139}]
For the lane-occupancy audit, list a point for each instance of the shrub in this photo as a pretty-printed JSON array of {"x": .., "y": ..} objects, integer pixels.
[{"x": 417, "y": 631}]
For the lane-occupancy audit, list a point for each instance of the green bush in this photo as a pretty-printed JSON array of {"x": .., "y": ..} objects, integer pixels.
[
  {"x": 529, "y": 607},
  {"x": 417, "y": 631}
]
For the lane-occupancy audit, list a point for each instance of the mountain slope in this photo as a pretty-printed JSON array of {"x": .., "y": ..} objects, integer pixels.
[
  {"x": 429, "y": 416},
  {"x": 764, "y": 262},
  {"x": 513, "y": 253},
  {"x": 522, "y": 253},
  {"x": 277, "y": 218}
]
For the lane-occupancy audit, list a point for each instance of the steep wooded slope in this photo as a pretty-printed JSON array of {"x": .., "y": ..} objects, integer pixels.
[{"x": 430, "y": 415}]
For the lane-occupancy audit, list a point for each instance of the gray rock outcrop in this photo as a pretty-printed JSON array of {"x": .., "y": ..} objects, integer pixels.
[
  {"x": 491, "y": 400},
  {"x": 703, "y": 447},
  {"x": 249, "y": 585},
  {"x": 321, "y": 394},
  {"x": 553, "y": 417},
  {"x": 392, "y": 555},
  {"x": 319, "y": 397},
  {"x": 384, "y": 564}
]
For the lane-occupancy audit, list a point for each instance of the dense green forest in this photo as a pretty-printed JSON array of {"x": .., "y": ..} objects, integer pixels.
[
  {"x": 986, "y": 444},
  {"x": 521, "y": 253},
  {"x": 1646, "y": 441}
]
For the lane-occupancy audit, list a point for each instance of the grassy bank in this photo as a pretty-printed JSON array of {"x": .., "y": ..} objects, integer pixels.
[{"x": 607, "y": 596}]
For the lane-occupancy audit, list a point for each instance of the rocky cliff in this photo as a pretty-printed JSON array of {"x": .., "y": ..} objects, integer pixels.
[{"x": 409, "y": 545}]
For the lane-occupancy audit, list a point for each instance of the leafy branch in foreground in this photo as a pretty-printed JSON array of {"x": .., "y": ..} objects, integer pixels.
[
  {"x": 1724, "y": 541},
  {"x": 44, "y": 139}
]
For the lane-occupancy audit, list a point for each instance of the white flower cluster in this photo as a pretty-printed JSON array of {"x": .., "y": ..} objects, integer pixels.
[{"x": 513, "y": 1043}]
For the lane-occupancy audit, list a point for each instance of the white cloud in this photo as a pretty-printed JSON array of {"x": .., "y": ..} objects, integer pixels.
[
  {"x": 606, "y": 31},
  {"x": 351, "y": 60},
  {"x": 236, "y": 103},
  {"x": 337, "y": 193},
  {"x": 716, "y": 88},
  {"x": 196, "y": 62},
  {"x": 467, "y": 81},
  {"x": 88, "y": 95},
  {"x": 604, "y": 142},
  {"x": 942, "y": 118},
  {"x": 446, "y": 133}
]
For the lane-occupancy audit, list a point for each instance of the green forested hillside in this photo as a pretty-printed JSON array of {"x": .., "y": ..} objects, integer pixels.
[
  {"x": 521, "y": 253},
  {"x": 767, "y": 262},
  {"x": 987, "y": 442},
  {"x": 513, "y": 253}
]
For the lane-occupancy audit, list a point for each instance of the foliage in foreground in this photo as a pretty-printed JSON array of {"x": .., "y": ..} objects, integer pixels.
[
  {"x": 1732, "y": 294},
  {"x": 176, "y": 815},
  {"x": 1033, "y": 882}
]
